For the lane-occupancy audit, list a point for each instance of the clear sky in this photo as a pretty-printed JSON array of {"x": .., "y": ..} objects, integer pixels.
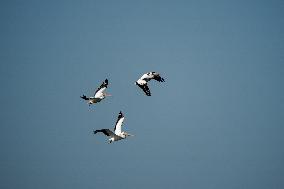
[{"x": 216, "y": 123}]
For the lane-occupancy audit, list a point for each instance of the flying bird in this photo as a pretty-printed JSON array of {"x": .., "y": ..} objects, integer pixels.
[
  {"x": 100, "y": 94},
  {"x": 142, "y": 82},
  {"x": 117, "y": 134}
]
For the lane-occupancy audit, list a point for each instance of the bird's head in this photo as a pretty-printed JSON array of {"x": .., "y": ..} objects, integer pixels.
[
  {"x": 106, "y": 94},
  {"x": 136, "y": 83},
  {"x": 125, "y": 134}
]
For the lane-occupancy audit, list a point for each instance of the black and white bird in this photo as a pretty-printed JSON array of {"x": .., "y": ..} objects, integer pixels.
[
  {"x": 142, "y": 82},
  {"x": 100, "y": 94},
  {"x": 117, "y": 134}
]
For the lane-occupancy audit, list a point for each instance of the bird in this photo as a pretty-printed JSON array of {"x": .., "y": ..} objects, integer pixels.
[
  {"x": 142, "y": 82},
  {"x": 100, "y": 94},
  {"x": 117, "y": 134}
]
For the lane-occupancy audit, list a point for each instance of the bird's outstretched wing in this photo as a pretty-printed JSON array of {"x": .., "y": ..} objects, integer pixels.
[
  {"x": 145, "y": 88},
  {"x": 102, "y": 88},
  {"x": 157, "y": 77},
  {"x": 107, "y": 132},
  {"x": 84, "y": 97},
  {"x": 118, "y": 124}
]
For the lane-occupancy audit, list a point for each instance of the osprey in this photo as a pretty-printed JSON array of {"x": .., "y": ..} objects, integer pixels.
[
  {"x": 117, "y": 134},
  {"x": 99, "y": 94},
  {"x": 142, "y": 82}
]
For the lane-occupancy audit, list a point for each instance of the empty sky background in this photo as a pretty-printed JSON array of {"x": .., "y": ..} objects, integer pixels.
[{"x": 217, "y": 121}]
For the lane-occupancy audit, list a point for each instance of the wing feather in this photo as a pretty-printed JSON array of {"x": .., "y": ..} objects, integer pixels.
[
  {"x": 145, "y": 88},
  {"x": 157, "y": 77},
  {"x": 102, "y": 88},
  {"x": 84, "y": 97},
  {"x": 107, "y": 132},
  {"x": 118, "y": 124}
]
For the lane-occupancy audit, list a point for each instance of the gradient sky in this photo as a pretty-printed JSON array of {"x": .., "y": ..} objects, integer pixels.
[{"x": 216, "y": 123}]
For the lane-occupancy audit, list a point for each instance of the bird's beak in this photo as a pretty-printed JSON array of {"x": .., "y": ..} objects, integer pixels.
[
  {"x": 107, "y": 94},
  {"x": 129, "y": 134}
]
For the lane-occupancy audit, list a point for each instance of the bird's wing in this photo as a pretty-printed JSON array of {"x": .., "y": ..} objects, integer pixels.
[
  {"x": 118, "y": 124},
  {"x": 107, "y": 132},
  {"x": 157, "y": 77},
  {"x": 101, "y": 89},
  {"x": 145, "y": 88},
  {"x": 84, "y": 97}
]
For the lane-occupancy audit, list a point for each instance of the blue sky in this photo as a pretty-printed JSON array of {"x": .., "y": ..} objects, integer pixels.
[{"x": 217, "y": 121}]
